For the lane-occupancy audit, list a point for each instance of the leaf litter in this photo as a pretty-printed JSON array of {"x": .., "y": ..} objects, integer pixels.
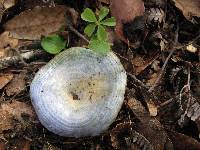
[{"x": 148, "y": 119}]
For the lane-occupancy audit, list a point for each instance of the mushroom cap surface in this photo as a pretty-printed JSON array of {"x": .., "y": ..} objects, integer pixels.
[{"x": 79, "y": 92}]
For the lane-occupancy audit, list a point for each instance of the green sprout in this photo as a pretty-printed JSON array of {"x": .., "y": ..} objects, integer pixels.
[{"x": 96, "y": 29}]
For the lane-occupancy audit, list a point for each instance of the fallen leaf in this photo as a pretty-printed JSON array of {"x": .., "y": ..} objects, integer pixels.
[
  {"x": 23, "y": 145},
  {"x": 152, "y": 78},
  {"x": 6, "y": 41},
  {"x": 183, "y": 142},
  {"x": 154, "y": 132},
  {"x": 139, "y": 110},
  {"x": 189, "y": 8},
  {"x": 104, "y": 1},
  {"x": 153, "y": 110},
  {"x": 17, "y": 85},
  {"x": 141, "y": 62},
  {"x": 38, "y": 22},
  {"x": 8, "y": 3},
  {"x": 4, "y": 5},
  {"x": 5, "y": 79},
  {"x": 191, "y": 48},
  {"x": 2, "y": 146},
  {"x": 14, "y": 111},
  {"x": 125, "y": 11},
  {"x": 1, "y": 11},
  {"x": 6, "y": 53}
]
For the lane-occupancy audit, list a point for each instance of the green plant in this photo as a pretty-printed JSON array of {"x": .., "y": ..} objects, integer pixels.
[
  {"x": 53, "y": 44},
  {"x": 96, "y": 29}
]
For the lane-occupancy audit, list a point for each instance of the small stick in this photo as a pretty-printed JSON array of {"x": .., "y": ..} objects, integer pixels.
[
  {"x": 162, "y": 71},
  {"x": 165, "y": 64},
  {"x": 137, "y": 81},
  {"x": 78, "y": 33},
  {"x": 85, "y": 39},
  {"x": 8, "y": 61}
]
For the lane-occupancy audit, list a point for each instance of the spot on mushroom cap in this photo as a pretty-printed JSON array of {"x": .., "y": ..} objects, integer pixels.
[{"x": 79, "y": 92}]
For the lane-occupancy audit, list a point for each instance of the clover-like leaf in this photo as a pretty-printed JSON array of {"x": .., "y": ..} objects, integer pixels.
[
  {"x": 101, "y": 33},
  {"x": 88, "y": 15},
  {"x": 109, "y": 22},
  {"x": 99, "y": 46},
  {"x": 53, "y": 44},
  {"x": 103, "y": 13},
  {"x": 89, "y": 29}
]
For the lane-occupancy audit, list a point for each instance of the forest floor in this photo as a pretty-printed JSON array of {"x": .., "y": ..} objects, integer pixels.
[{"x": 159, "y": 47}]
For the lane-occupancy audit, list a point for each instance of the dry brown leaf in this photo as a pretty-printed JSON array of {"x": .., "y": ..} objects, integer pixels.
[
  {"x": 153, "y": 110},
  {"x": 38, "y": 22},
  {"x": 8, "y": 3},
  {"x": 183, "y": 142},
  {"x": 154, "y": 132},
  {"x": 152, "y": 78},
  {"x": 189, "y": 8},
  {"x": 141, "y": 62},
  {"x": 7, "y": 53},
  {"x": 5, "y": 79},
  {"x": 138, "y": 109},
  {"x": 105, "y": 1},
  {"x": 14, "y": 111},
  {"x": 23, "y": 145},
  {"x": 4, "y": 5},
  {"x": 2, "y": 146},
  {"x": 6, "y": 41},
  {"x": 125, "y": 11},
  {"x": 1, "y": 11},
  {"x": 17, "y": 85}
]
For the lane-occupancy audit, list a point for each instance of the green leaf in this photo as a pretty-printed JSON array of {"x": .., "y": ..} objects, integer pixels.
[
  {"x": 101, "y": 33},
  {"x": 89, "y": 29},
  {"x": 101, "y": 47},
  {"x": 53, "y": 44},
  {"x": 109, "y": 22},
  {"x": 103, "y": 13},
  {"x": 88, "y": 15}
]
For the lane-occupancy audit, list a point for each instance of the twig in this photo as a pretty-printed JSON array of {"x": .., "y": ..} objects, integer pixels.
[
  {"x": 162, "y": 71},
  {"x": 169, "y": 56},
  {"x": 187, "y": 87},
  {"x": 70, "y": 27},
  {"x": 189, "y": 43},
  {"x": 8, "y": 61},
  {"x": 137, "y": 81},
  {"x": 165, "y": 63},
  {"x": 78, "y": 33}
]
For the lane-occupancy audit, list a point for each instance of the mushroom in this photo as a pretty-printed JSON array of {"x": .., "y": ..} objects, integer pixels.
[{"x": 79, "y": 92}]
